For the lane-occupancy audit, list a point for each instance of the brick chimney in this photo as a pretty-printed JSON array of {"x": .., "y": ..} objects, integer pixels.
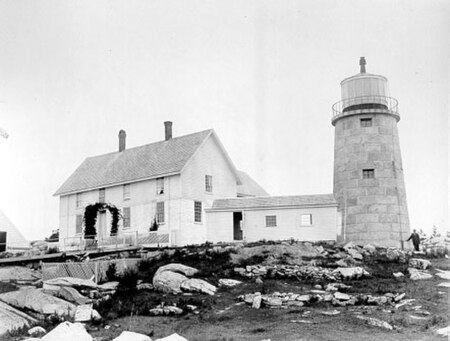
[
  {"x": 168, "y": 128},
  {"x": 122, "y": 140}
]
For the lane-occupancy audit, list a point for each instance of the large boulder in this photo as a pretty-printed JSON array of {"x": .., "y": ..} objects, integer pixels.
[
  {"x": 173, "y": 278},
  {"x": 38, "y": 301},
  {"x": 85, "y": 313},
  {"x": 349, "y": 245},
  {"x": 369, "y": 248},
  {"x": 132, "y": 336},
  {"x": 416, "y": 275},
  {"x": 173, "y": 337},
  {"x": 341, "y": 297},
  {"x": 72, "y": 295},
  {"x": 68, "y": 332},
  {"x": 419, "y": 263},
  {"x": 69, "y": 282},
  {"x": 13, "y": 319},
  {"x": 444, "y": 331},
  {"x": 228, "y": 283},
  {"x": 355, "y": 254},
  {"x": 375, "y": 322},
  {"x": 198, "y": 285},
  {"x": 18, "y": 273},
  {"x": 443, "y": 274},
  {"x": 351, "y": 273},
  {"x": 177, "y": 268},
  {"x": 168, "y": 281},
  {"x": 108, "y": 286},
  {"x": 36, "y": 331}
]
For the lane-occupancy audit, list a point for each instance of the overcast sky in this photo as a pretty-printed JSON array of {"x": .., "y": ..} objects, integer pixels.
[{"x": 263, "y": 74}]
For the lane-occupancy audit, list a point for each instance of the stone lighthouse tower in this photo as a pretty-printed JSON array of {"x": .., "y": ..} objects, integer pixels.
[{"x": 368, "y": 173}]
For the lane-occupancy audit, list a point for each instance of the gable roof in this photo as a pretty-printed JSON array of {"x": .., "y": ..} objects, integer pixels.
[
  {"x": 249, "y": 187},
  {"x": 139, "y": 163},
  {"x": 288, "y": 201}
]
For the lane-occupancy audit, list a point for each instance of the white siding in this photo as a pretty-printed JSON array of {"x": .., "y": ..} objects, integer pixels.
[
  {"x": 220, "y": 225},
  {"x": 180, "y": 193},
  {"x": 142, "y": 203},
  {"x": 208, "y": 160}
]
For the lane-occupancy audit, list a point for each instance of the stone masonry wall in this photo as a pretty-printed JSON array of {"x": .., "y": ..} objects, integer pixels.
[{"x": 375, "y": 210}]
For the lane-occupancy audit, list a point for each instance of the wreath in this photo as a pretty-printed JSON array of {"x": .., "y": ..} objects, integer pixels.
[{"x": 90, "y": 218}]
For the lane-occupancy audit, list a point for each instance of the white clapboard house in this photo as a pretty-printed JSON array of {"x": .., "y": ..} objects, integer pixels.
[{"x": 190, "y": 187}]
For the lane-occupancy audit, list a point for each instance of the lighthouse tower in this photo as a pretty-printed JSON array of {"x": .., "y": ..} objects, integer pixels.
[{"x": 368, "y": 173}]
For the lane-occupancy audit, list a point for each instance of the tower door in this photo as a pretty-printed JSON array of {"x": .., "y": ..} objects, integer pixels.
[{"x": 237, "y": 225}]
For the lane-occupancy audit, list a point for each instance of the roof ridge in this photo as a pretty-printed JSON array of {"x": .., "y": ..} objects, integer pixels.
[
  {"x": 140, "y": 162},
  {"x": 152, "y": 143},
  {"x": 277, "y": 196}
]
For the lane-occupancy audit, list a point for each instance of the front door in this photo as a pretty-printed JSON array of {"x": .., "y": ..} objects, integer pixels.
[
  {"x": 237, "y": 225},
  {"x": 102, "y": 230}
]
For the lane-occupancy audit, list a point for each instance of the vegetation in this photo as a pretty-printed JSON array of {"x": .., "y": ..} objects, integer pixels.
[
  {"x": 111, "y": 272},
  {"x": 54, "y": 237},
  {"x": 154, "y": 225},
  {"x": 90, "y": 218}
]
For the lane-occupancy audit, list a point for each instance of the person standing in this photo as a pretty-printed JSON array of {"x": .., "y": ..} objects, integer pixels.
[{"x": 415, "y": 239}]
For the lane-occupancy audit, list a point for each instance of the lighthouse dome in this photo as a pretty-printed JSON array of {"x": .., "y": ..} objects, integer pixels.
[
  {"x": 364, "y": 85},
  {"x": 364, "y": 93}
]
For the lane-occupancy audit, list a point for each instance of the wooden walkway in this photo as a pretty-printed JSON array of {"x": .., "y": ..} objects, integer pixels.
[{"x": 61, "y": 256}]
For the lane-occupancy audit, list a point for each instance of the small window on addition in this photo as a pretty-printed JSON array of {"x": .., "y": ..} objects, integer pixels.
[
  {"x": 306, "y": 219},
  {"x": 368, "y": 173},
  {"x": 197, "y": 211},
  {"x": 366, "y": 122},
  {"x": 271, "y": 220}
]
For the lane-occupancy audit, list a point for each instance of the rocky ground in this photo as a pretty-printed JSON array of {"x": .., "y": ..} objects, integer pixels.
[{"x": 262, "y": 291}]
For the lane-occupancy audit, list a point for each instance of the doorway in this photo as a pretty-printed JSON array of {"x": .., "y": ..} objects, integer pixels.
[
  {"x": 237, "y": 226},
  {"x": 102, "y": 232}
]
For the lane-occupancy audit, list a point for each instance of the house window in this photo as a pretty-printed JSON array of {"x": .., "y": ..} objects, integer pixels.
[
  {"x": 208, "y": 183},
  {"x": 368, "y": 173},
  {"x": 126, "y": 217},
  {"x": 271, "y": 220},
  {"x": 79, "y": 224},
  {"x": 366, "y": 122},
  {"x": 160, "y": 212},
  {"x": 79, "y": 200},
  {"x": 160, "y": 186},
  {"x": 306, "y": 219},
  {"x": 197, "y": 211},
  {"x": 126, "y": 192},
  {"x": 101, "y": 195}
]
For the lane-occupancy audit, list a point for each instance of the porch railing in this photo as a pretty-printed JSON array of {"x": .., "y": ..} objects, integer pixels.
[{"x": 121, "y": 240}]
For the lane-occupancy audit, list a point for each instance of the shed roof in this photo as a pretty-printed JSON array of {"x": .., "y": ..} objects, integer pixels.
[
  {"x": 139, "y": 163},
  {"x": 274, "y": 202}
]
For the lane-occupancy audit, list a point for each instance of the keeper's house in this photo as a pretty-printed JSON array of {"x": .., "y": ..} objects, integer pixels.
[{"x": 175, "y": 182}]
